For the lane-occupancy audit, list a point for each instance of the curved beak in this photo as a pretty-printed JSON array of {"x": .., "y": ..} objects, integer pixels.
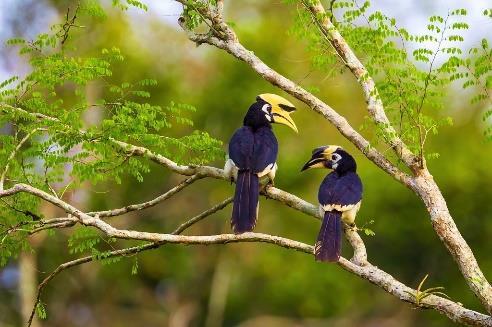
[
  {"x": 314, "y": 162},
  {"x": 319, "y": 158},
  {"x": 281, "y": 109},
  {"x": 283, "y": 117}
]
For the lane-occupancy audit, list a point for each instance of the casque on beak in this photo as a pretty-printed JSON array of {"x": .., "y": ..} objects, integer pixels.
[
  {"x": 281, "y": 109},
  {"x": 321, "y": 157}
]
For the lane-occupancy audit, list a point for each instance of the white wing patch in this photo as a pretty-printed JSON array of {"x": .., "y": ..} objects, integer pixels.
[
  {"x": 230, "y": 169},
  {"x": 267, "y": 170},
  {"x": 338, "y": 207},
  {"x": 348, "y": 211},
  {"x": 273, "y": 172}
]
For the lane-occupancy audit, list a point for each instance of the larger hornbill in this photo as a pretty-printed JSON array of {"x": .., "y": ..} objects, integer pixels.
[
  {"x": 253, "y": 153},
  {"x": 339, "y": 195}
]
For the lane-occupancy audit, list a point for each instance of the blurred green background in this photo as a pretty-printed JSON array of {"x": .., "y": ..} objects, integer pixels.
[{"x": 252, "y": 284}]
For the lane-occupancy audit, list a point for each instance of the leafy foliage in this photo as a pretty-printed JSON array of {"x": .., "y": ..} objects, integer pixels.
[
  {"x": 192, "y": 12},
  {"x": 48, "y": 142},
  {"x": 83, "y": 239},
  {"x": 413, "y": 73}
]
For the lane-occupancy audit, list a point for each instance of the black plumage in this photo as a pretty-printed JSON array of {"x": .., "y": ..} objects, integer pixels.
[
  {"x": 253, "y": 153},
  {"x": 329, "y": 241},
  {"x": 339, "y": 195},
  {"x": 252, "y": 150}
]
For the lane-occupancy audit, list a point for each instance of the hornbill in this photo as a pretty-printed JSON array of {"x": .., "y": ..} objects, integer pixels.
[
  {"x": 339, "y": 195},
  {"x": 253, "y": 153}
]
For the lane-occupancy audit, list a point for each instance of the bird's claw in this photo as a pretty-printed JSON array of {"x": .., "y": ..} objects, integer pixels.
[{"x": 264, "y": 190}]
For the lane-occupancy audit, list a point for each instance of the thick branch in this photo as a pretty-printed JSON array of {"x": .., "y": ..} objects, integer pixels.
[
  {"x": 373, "y": 274},
  {"x": 423, "y": 184},
  {"x": 235, "y": 48},
  {"x": 374, "y": 103}
]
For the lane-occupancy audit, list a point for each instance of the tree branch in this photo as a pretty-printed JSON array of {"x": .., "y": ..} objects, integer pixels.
[
  {"x": 367, "y": 271},
  {"x": 235, "y": 48},
  {"x": 422, "y": 184},
  {"x": 374, "y": 103},
  {"x": 148, "y": 204},
  {"x": 117, "y": 253},
  {"x": 181, "y": 228},
  {"x": 13, "y": 154}
]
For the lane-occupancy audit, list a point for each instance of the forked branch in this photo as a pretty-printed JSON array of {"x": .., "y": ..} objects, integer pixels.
[{"x": 422, "y": 182}]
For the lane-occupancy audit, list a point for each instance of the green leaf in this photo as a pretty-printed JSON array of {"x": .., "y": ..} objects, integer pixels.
[
  {"x": 135, "y": 266},
  {"x": 41, "y": 310}
]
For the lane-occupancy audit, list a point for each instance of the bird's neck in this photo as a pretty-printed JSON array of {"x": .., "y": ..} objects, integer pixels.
[
  {"x": 256, "y": 119},
  {"x": 342, "y": 172},
  {"x": 349, "y": 166}
]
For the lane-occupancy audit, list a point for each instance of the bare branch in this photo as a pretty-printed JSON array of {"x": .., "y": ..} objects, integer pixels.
[
  {"x": 63, "y": 224},
  {"x": 201, "y": 216},
  {"x": 235, "y": 48},
  {"x": 422, "y": 184},
  {"x": 453, "y": 310},
  {"x": 148, "y": 204},
  {"x": 80, "y": 261}
]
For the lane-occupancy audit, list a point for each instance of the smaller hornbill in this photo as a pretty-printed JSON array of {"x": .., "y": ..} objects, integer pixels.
[
  {"x": 253, "y": 154},
  {"x": 339, "y": 196}
]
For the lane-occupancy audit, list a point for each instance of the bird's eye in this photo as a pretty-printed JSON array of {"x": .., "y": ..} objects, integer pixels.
[
  {"x": 266, "y": 108},
  {"x": 335, "y": 157}
]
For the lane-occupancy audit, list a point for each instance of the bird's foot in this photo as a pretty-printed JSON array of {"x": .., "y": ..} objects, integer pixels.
[{"x": 264, "y": 191}]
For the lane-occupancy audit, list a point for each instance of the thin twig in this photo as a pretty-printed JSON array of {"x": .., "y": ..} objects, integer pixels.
[
  {"x": 422, "y": 182},
  {"x": 201, "y": 216},
  {"x": 148, "y": 204},
  {"x": 13, "y": 154}
]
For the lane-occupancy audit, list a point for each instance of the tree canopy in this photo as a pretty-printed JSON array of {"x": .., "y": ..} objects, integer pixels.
[{"x": 109, "y": 116}]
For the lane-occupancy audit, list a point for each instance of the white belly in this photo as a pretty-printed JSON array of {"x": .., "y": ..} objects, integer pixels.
[
  {"x": 348, "y": 211},
  {"x": 230, "y": 169}
]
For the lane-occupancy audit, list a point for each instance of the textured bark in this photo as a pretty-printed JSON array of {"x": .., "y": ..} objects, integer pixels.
[
  {"x": 358, "y": 266},
  {"x": 421, "y": 182}
]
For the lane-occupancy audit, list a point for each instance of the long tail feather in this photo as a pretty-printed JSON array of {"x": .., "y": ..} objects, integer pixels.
[
  {"x": 329, "y": 241},
  {"x": 244, "y": 212}
]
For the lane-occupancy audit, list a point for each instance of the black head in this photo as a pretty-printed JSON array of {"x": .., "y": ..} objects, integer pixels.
[
  {"x": 331, "y": 157},
  {"x": 268, "y": 109}
]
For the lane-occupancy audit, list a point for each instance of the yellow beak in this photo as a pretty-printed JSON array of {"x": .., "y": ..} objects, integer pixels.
[
  {"x": 283, "y": 117},
  {"x": 281, "y": 109}
]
